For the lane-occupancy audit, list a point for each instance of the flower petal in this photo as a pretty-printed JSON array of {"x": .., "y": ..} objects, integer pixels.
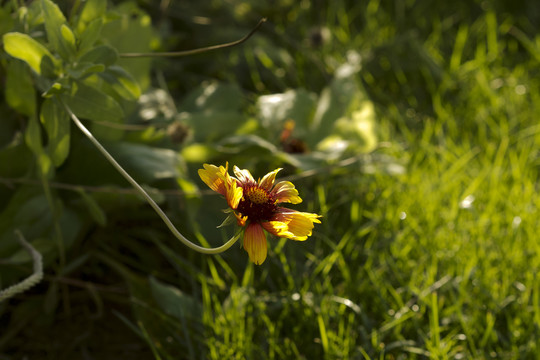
[
  {"x": 255, "y": 243},
  {"x": 214, "y": 177},
  {"x": 284, "y": 191},
  {"x": 233, "y": 193},
  {"x": 292, "y": 224},
  {"x": 243, "y": 176},
  {"x": 268, "y": 180}
]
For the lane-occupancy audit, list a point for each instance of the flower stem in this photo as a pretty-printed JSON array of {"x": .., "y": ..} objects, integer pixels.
[
  {"x": 32, "y": 279},
  {"x": 150, "y": 201},
  {"x": 196, "y": 51}
]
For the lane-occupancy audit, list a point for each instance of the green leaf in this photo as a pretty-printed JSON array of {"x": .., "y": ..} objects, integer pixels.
[
  {"x": 174, "y": 302},
  {"x": 90, "y": 35},
  {"x": 254, "y": 146},
  {"x": 213, "y": 125},
  {"x": 20, "y": 92},
  {"x": 56, "y": 27},
  {"x": 359, "y": 128},
  {"x": 22, "y": 46},
  {"x": 198, "y": 153},
  {"x": 57, "y": 125},
  {"x": 334, "y": 102},
  {"x": 89, "y": 103},
  {"x": 131, "y": 32},
  {"x": 146, "y": 164},
  {"x": 84, "y": 69},
  {"x": 297, "y": 105},
  {"x": 45, "y": 165},
  {"x": 213, "y": 96},
  {"x": 102, "y": 54},
  {"x": 68, "y": 36},
  {"x": 55, "y": 89},
  {"x": 32, "y": 136},
  {"x": 122, "y": 82},
  {"x": 92, "y": 10}
]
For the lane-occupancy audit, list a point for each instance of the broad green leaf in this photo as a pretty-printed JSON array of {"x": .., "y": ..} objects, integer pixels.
[
  {"x": 20, "y": 92},
  {"x": 92, "y": 10},
  {"x": 32, "y": 135},
  {"x": 146, "y": 164},
  {"x": 213, "y": 125},
  {"x": 89, "y": 103},
  {"x": 359, "y": 128},
  {"x": 253, "y": 146},
  {"x": 90, "y": 35},
  {"x": 102, "y": 54},
  {"x": 235, "y": 144},
  {"x": 57, "y": 125},
  {"x": 198, "y": 153},
  {"x": 84, "y": 69},
  {"x": 30, "y": 212},
  {"x": 297, "y": 105},
  {"x": 122, "y": 82},
  {"x": 213, "y": 96},
  {"x": 334, "y": 102},
  {"x": 174, "y": 302},
  {"x": 27, "y": 211},
  {"x": 131, "y": 32},
  {"x": 56, "y": 27},
  {"x": 22, "y": 46}
]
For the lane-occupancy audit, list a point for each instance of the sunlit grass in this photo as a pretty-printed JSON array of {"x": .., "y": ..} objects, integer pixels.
[
  {"x": 428, "y": 246},
  {"x": 438, "y": 261}
]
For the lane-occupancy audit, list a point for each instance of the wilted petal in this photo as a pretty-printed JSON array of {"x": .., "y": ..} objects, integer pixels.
[
  {"x": 240, "y": 219},
  {"x": 268, "y": 180},
  {"x": 255, "y": 243},
  {"x": 244, "y": 176},
  {"x": 284, "y": 191}
]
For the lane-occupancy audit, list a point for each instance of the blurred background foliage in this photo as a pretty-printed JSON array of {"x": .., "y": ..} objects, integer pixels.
[{"x": 412, "y": 127}]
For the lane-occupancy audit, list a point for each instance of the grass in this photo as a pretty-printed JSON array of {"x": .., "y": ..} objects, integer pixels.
[
  {"x": 428, "y": 246},
  {"x": 438, "y": 261}
]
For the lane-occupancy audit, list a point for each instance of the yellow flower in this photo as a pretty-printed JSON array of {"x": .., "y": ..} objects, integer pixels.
[{"x": 255, "y": 206}]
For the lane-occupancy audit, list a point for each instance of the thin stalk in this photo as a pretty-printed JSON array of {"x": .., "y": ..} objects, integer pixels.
[
  {"x": 30, "y": 281},
  {"x": 141, "y": 191},
  {"x": 196, "y": 51}
]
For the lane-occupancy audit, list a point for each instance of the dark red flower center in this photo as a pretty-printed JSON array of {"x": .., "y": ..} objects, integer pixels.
[{"x": 257, "y": 204}]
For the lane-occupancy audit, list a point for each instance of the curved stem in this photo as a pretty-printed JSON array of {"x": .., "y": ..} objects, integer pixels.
[
  {"x": 152, "y": 203},
  {"x": 196, "y": 51},
  {"x": 30, "y": 281}
]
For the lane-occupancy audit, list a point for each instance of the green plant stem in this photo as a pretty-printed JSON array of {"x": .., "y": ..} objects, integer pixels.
[
  {"x": 32, "y": 279},
  {"x": 152, "y": 203},
  {"x": 196, "y": 51}
]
